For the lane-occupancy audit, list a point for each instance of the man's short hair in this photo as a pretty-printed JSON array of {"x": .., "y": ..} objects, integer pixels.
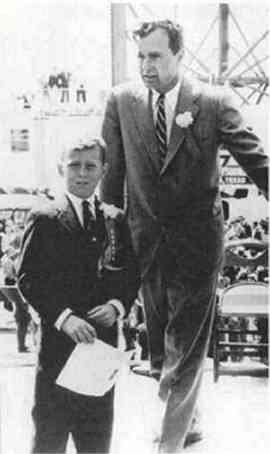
[
  {"x": 83, "y": 144},
  {"x": 173, "y": 30}
]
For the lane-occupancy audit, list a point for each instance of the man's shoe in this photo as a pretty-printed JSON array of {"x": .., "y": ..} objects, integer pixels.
[
  {"x": 147, "y": 372},
  {"x": 23, "y": 350},
  {"x": 192, "y": 437}
]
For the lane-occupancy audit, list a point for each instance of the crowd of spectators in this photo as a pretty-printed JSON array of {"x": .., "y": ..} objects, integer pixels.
[
  {"x": 236, "y": 230},
  {"x": 10, "y": 236},
  {"x": 10, "y": 241},
  {"x": 246, "y": 238},
  {"x": 240, "y": 228}
]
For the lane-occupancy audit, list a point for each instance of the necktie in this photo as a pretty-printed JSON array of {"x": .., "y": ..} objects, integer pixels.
[
  {"x": 161, "y": 128},
  {"x": 86, "y": 214}
]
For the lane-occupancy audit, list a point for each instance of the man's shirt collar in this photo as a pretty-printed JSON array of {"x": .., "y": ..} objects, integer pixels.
[{"x": 170, "y": 96}]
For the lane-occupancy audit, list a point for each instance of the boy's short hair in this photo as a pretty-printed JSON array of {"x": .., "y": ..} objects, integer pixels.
[{"x": 82, "y": 144}]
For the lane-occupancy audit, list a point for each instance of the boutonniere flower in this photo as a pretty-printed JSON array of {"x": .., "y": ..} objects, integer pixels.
[
  {"x": 111, "y": 211},
  {"x": 184, "y": 120}
]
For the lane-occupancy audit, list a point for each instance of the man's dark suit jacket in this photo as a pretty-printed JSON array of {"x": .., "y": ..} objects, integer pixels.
[
  {"x": 175, "y": 211},
  {"x": 176, "y": 222},
  {"x": 58, "y": 269}
]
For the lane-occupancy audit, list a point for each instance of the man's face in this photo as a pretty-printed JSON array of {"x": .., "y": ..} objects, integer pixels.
[
  {"x": 82, "y": 171},
  {"x": 158, "y": 64}
]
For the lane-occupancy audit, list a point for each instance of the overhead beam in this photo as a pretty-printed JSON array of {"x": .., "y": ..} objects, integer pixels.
[
  {"x": 203, "y": 40},
  {"x": 238, "y": 53},
  {"x": 233, "y": 80},
  {"x": 247, "y": 43},
  {"x": 198, "y": 60},
  {"x": 246, "y": 54},
  {"x": 263, "y": 93},
  {"x": 255, "y": 65},
  {"x": 118, "y": 43},
  {"x": 223, "y": 38}
]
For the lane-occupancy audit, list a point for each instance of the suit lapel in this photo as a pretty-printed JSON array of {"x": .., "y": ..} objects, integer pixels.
[
  {"x": 99, "y": 223},
  {"x": 143, "y": 114},
  {"x": 186, "y": 102},
  {"x": 67, "y": 215}
]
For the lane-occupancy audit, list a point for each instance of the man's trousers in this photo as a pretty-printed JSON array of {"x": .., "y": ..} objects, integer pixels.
[{"x": 179, "y": 318}]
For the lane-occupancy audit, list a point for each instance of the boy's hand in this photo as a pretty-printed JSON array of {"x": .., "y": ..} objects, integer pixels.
[
  {"x": 79, "y": 330},
  {"x": 105, "y": 315}
]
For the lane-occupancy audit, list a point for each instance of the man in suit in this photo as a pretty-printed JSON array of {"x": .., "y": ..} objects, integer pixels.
[
  {"x": 162, "y": 140},
  {"x": 61, "y": 275}
]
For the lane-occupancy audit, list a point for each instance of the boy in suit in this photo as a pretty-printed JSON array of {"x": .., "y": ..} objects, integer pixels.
[{"x": 61, "y": 275}]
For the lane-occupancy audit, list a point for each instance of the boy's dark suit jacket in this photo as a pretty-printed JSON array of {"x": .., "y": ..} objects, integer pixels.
[{"x": 59, "y": 269}]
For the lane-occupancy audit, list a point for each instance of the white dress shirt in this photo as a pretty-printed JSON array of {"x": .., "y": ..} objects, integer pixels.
[
  {"x": 77, "y": 205},
  {"x": 170, "y": 104}
]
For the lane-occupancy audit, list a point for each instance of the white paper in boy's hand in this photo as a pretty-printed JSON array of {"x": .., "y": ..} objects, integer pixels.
[{"x": 92, "y": 369}]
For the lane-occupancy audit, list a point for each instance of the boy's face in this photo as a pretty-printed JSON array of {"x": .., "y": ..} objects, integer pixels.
[{"x": 82, "y": 170}]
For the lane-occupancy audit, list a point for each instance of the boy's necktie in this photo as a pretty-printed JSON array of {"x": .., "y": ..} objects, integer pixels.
[{"x": 87, "y": 215}]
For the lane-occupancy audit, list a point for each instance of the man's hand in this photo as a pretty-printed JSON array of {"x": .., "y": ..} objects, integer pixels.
[
  {"x": 79, "y": 330},
  {"x": 105, "y": 315}
]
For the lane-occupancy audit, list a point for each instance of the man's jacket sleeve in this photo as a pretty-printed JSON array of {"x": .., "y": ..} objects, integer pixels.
[{"x": 242, "y": 142}]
